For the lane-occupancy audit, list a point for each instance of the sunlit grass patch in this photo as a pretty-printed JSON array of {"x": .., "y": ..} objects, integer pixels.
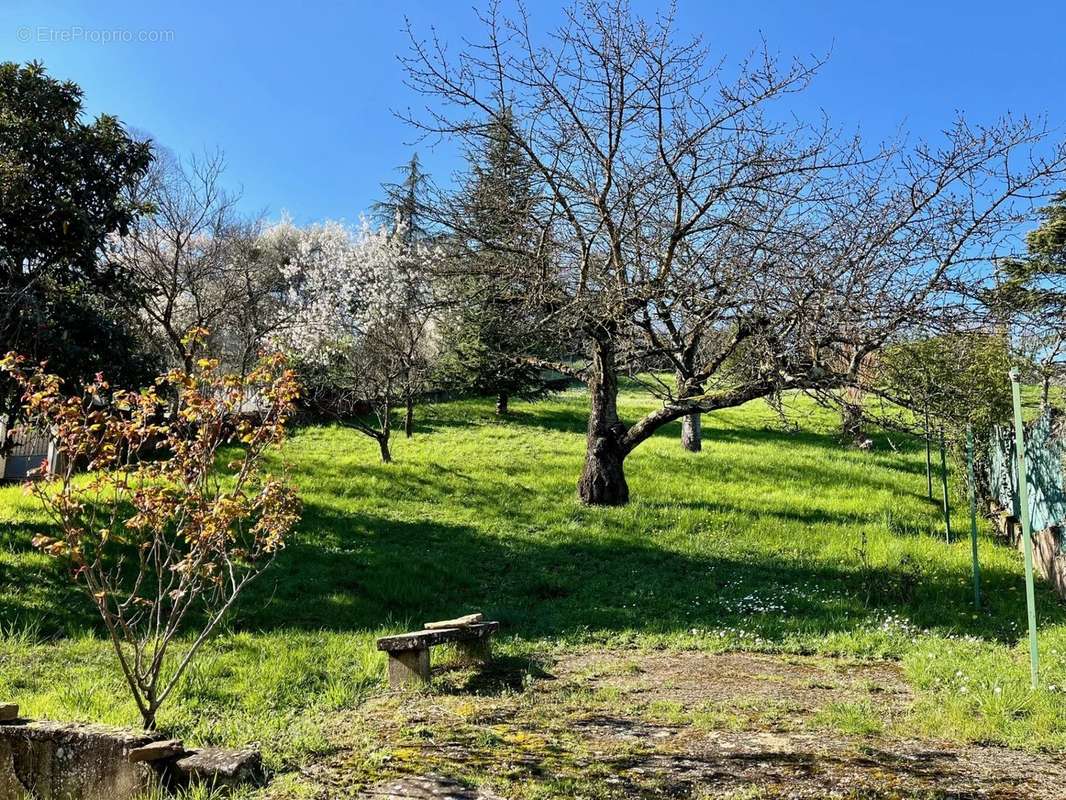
[
  {"x": 770, "y": 540},
  {"x": 860, "y": 718}
]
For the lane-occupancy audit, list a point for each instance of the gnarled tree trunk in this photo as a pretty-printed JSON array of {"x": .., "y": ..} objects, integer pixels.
[
  {"x": 691, "y": 424},
  {"x": 692, "y": 432},
  {"x": 852, "y": 419},
  {"x": 501, "y": 404},
  {"x": 851, "y": 423},
  {"x": 383, "y": 443},
  {"x": 603, "y": 480},
  {"x": 383, "y": 435}
]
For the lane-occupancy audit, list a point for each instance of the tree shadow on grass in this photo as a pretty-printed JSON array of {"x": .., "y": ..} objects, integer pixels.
[
  {"x": 549, "y": 568},
  {"x": 717, "y": 429},
  {"x": 362, "y": 573},
  {"x": 359, "y": 573},
  {"x": 812, "y": 516},
  {"x": 36, "y": 593},
  {"x": 520, "y": 500}
]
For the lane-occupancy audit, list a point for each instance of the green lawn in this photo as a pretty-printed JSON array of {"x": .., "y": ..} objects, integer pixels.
[{"x": 770, "y": 539}]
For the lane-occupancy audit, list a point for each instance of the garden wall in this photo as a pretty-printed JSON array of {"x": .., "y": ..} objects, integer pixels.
[
  {"x": 61, "y": 761},
  {"x": 42, "y": 760}
]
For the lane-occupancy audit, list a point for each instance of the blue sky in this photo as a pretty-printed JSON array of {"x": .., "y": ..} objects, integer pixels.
[{"x": 300, "y": 95}]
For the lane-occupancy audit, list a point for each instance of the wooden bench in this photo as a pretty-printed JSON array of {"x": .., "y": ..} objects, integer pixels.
[{"x": 409, "y": 652}]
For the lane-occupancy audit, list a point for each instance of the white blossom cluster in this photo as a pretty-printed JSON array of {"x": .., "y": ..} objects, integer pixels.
[{"x": 350, "y": 286}]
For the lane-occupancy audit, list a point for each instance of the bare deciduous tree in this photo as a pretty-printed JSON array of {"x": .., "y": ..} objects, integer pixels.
[
  {"x": 698, "y": 228},
  {"x": 200, "y": 264}
]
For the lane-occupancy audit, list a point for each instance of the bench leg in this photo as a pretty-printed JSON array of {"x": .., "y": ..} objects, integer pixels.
[
  {"x": 409, "y": 668},
  {"x": 475, "y": 651}
]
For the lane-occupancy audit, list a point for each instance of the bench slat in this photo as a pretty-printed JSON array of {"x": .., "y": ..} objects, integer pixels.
[{"x": 419, "y": 640}]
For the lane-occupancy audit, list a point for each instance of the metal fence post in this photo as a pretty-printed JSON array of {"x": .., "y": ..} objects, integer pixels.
[
  {"x": 973, "y": 518},
  {"x": 1027, "y": 539},
  {"x": 928, "y": 456},
  {"x": 944, "y": 485}
]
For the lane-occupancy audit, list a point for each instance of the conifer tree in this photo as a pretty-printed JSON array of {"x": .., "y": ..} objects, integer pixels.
[
  {"x": 1033, "y": 294},
  {"x": 403, "y": 212},
  {"x": 492, "y": 321}
]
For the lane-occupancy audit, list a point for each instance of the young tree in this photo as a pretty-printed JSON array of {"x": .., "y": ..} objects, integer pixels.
[
  {"x": 160, "y": 541},
  {"x": 64, "y": 190},
  {"x": 361, "y": 325},
  {"x": 950, "y": 382},
  {"x": 404, "y": 213},
  {"x": 691, "y": 219}
]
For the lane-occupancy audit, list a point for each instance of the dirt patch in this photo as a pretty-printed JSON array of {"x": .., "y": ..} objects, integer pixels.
[
  {"x": 816, "y": 765},
  {"x": 802, "y": 684},
  {"x": 426, "y": 787},
  {"x": 627, "y": 724}
]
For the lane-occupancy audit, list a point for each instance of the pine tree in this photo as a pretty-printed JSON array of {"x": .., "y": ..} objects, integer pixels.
[
  {"x": 491, "y": 327},
  {"x": 404, "y": 206}
]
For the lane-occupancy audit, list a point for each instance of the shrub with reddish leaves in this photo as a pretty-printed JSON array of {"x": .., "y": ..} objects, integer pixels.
[{"x": 160, "y": 534}]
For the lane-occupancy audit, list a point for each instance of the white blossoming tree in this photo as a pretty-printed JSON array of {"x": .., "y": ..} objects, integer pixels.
[{"x": 362, "y": 325}]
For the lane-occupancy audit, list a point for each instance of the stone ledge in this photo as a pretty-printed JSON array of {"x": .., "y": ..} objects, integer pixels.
[
  {"x": 157, "y": 751},
  {"x": 44, "y": 760},
  {"x": 52, "y": 760}
]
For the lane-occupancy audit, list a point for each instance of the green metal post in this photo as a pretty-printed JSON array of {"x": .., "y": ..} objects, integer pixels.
[
  {"x": 944, "y": 486},
  {"x": 973, "y": 518},
  {"x": 928, "y": 457},
  {"x": 1027, "y": 539}
]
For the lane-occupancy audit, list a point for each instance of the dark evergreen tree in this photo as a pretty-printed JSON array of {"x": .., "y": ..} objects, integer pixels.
[
  {"x": 404, "y": 206},
  {"x": 65, "y": 187},
  {"x": 1032, "y": 293},
  {"x": 491, "y": 331}
]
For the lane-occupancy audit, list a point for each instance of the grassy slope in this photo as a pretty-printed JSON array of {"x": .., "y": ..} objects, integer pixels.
[{"x": 756, "y": 543}]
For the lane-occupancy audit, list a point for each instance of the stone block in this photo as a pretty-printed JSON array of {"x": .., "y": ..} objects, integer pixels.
[
  {"x": 219, "y": 766},
  {"x": 157, "y": 751}
]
